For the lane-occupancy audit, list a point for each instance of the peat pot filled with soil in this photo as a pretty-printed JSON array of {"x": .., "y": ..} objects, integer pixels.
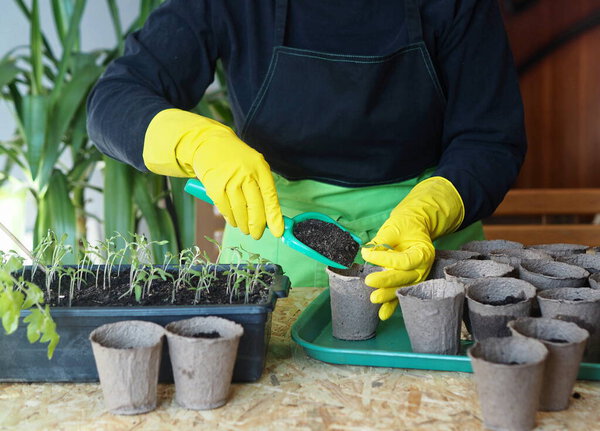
[
  {"x": 514, "y": 256},
  {"x": 578, "y": 305},
  {"x": 545, "y": 274},
  {"x": 327, "y": 239},
  {"x": 99, "y": 294},
  {"x": 560, "y": 249},
  {"x": 589, "y": 262},
  {"x": 444, "y": 258},
  {"x": 353, "y": 315},
  {"x": 565, "y": 342},
  {"x": 495, "y": 301},
  {"x": 128, "y": 356},
  {"x": 203, "y": 351},
  {"x": 467, "y": 270}
]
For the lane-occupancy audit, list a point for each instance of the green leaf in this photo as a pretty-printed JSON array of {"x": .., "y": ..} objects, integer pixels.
[
  {"x": 116, "y": 20},
  {"x": 48, "y": 329},
  {"x": 35, "y": 112},
  {"x": 33, "y": 295},
  {"x": 10, "y": 309},
  {"x": 118, "y": 202},
  {"x": 37, "y": 65},
  {"x": 185, "y": 211},
  {"x": 62, "y": 11},
  {"x": 8, "y": 71},
  {"x": 61, "y": 212},
  {"x": 34, "y": 325},
  {"x": 62, "y": 115}
]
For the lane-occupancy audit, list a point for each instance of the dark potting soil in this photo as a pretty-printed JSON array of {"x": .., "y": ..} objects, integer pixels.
[
  {"x": 555, "y": 340},
  {"x": 508, "y": 300},
  {"x": 327, "y": 239},
  {"x": 213, "y": 334},
  {"x": 576, "y": 395},
  {"x": 115, "y": 291}
]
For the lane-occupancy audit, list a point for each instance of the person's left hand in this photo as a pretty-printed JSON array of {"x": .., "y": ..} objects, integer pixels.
[{"x": 403, "y": 245}]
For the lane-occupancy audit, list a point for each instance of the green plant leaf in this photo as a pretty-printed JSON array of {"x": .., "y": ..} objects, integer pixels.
[
  {"x": 35, "y": 43},
  {"x": 49, "y": 334},
  {"x": 10, "y": 309},
  {"x": 35, "y": 116},
  {"x": 61, "y": 215},
  {"x": 116, "y": 20},
  {"x": 34, "y": 295},
  {"x": 61, "y": 12},
  {"x": 8, "y": 71},
  {"x": 185, "y": 212},
  {"x": 34, "y": 325},
  {"x": 118, "y": 199}
]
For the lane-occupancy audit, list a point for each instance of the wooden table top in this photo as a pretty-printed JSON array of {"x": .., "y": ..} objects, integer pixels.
[{"x": 295, "y": 393}]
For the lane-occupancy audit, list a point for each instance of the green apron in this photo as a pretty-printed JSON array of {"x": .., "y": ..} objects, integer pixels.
[{"x": 361, "y": 210}]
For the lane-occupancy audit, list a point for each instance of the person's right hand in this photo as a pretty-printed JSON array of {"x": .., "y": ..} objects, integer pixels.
[{"x": 236, "y": 177}]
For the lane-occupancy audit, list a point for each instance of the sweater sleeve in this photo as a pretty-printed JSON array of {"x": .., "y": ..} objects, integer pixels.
[
  {"x": 169, "y": 63},
  {"x": 484, "y": 141}
]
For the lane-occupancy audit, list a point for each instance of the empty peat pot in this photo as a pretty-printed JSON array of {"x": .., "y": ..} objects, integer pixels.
[
  {"x": 589, "y": 262},
  {"x": 485, "y": 247},
  {"x": 353, "y": 315},
  {"x": 495, "y": 301},
  {"x": 578, "y": 305},
  {"x": 127, "y": 356},
  {"x": 432, "y": 312},
  {"x": 470, "y": 269},
  {"x": 565, "y": 342},
  {"x": 444, "y": 258},
  {"x": 560, "y": 249},
  {"x": 508, "y": 374},
  {"x": 595, "y": 280},
  {"x": 203, "y": 352},
  {"x": 546, "y": 274},
  {"x": 514, "y": 256}
]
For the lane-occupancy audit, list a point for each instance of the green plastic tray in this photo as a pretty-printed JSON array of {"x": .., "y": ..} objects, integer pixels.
[{"x": 390, "y": 348}]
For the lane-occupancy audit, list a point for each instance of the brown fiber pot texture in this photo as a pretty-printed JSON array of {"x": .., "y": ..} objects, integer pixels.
[
  {"x": 514, "y": 256},
  {"x": 559, "y": 249},
  {"x": 578, "y": 305},
  {"x": 432, "y": 312},
  {"x": 488, "y": 311},
  {"x": 203, "y": 367},
  {"x": 589, "y": 262},
  {"x": 444, "y": 258},
  {"x": 565, "y": 342},
  {"x": 127, "y": 356},
  {"x": 545, "y": 274},
  {"x": 470, "y": 269},
  {"x": 353, "y": 315},
  {"x": 508, "y": 374},
  {"x": 485, "y": 247}
]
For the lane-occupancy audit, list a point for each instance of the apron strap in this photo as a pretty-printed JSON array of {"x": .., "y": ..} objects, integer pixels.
[
  {"x": 280, "y": 21},
  {"x": 413, "y": 21}
]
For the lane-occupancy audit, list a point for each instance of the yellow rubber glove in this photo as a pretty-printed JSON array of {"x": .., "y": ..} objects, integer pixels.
[
  {"x": 237, "y": 177},
  {"x": 403, "y": 245}
]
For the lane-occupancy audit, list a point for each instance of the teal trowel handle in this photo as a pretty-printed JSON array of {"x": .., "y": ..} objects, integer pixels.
[{"x": 196, "y": 188}]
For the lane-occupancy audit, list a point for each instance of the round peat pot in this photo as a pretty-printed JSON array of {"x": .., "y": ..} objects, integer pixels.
[
  {"x": 578, "y": 305},
  {"x": 565, "y": 342},
  {"x": 495, "y": 301},
  {"x": 514, "y": 256},
  {"x": 432, "y": 313},
  {"x": 485, "y": 247},
  {"x": 589, "y": 262},
  {"x": 353, "y": 315},
  {"x": 595, "y": 280},
  {"x": 545, "y": 274},
  {"x": 444, "y": 258},
  {"x": 127, "y": 356},
  {"x": 470, "y": 269},
  {"x": 203, "y": 352},
  {"x": 508, "y": 374},
  {"x": 557, "y": 250}
]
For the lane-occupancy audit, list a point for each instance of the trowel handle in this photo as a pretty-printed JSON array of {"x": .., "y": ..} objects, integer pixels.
[{"x": 195, "y": 188}]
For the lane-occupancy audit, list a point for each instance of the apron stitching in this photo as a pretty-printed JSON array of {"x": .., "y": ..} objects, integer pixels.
[
  {"x": 263, "y": 91},
  {"x": 320, "y": 54},
  {"x": 433, "y": 77},
  {"x": 350, "y": 60}
]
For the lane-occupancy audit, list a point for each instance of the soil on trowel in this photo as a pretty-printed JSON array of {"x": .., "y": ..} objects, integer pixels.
[
  {"x": 327, "y": 239},
  {"x": 213, "y": 334}
]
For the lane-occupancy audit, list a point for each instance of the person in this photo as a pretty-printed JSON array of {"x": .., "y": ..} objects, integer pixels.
[{"x": 402, "y": 120}]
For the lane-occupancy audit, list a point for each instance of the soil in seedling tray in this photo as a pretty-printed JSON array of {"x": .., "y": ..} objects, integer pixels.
[
  {"x": 160, "y": 293},
  {"x": 327, "y": 239}
]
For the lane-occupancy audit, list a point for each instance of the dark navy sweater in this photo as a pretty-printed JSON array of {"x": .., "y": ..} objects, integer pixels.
[{"x": 170, "y": 63}]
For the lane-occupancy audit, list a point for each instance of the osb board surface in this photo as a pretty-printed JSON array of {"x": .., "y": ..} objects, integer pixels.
[{"x": 295, "y": 393}]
